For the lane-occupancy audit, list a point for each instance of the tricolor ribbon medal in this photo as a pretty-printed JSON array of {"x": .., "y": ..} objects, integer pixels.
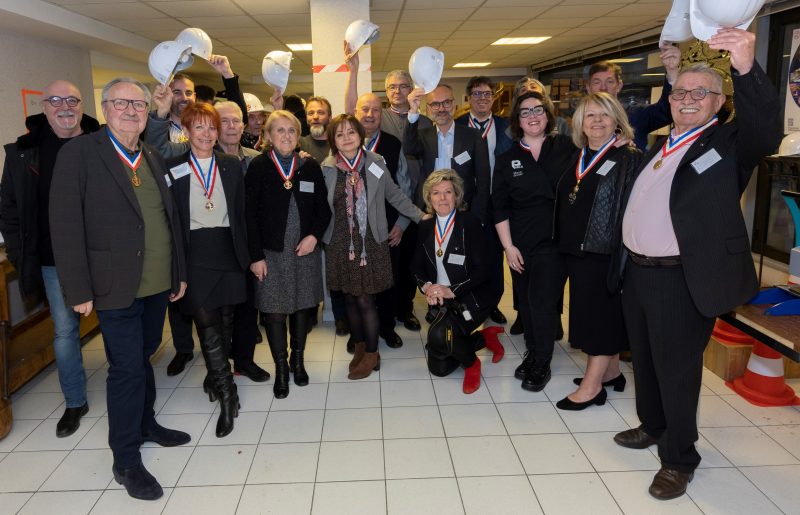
[
  {"x": 287, "y": 177},
  {"x": 673, "y": 144},
  {"x": 525, "y": 146},
  {"x": 207, "y": 179},
  {"x": 133, "y": 164},
  {"x": 475, "y": 125},
  {"x": 374, "y": 142},
  {"x": 353, "y": 165},
  {"x": 442, "y": 233},
  {"x": 582, "y": 168}
]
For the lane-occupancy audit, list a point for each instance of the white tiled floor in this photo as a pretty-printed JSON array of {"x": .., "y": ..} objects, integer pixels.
[{"x": 400, "y": 442}]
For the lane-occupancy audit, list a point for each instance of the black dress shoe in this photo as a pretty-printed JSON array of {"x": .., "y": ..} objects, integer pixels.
[
  {"x": 342, "y": 327},
  {"x": 71, "y": 420},
  {"x": 165, "y": 437},
  {"x": 252, "y": 371},
  {"x": 392, "y": 339},
  {"x": 634, "y": 438},
  {"x": 618, "y": 382},
  {"x": 139, "y": 483},
  {"x": 568, "y": 404},
  {"x": 410, "y": 322},
  {"x": 259, "y": 338},
  {"x": 527, "y": 362},
  {"x": 351, "y": 346},
  {"x": 497, "y": 316},
  {"x": 178, "y": 363},
  {"x": 670, "y": 483},
  {"x": 537, "y": 377},
  {"x": 516, "y": 328}
]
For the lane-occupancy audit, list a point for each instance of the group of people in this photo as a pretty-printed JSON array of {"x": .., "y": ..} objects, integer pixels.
[{"x": 168, "y": 205}]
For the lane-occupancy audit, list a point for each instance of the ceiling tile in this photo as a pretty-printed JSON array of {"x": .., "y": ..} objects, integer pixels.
[
  {"x": 661, "y": 9},
  {"x": 284, "y": 20},
  {"x": 379, "y": 17},
  {"x": 180, "y": 8},
  {"x": 116, "y": 11},
  {"x": 208, "y": 23},
  {"x": 232, "y": 32},
  {"x": 133, "y": 25},
  {"x": 567, "y": 11},
  {"x": 551, "y": 24},
  {"x": 424, "y": 4},
  {"x": 273, "y": 8},
  {"x": 512, "y": 4},
  {"x": 426, "y": 15}
]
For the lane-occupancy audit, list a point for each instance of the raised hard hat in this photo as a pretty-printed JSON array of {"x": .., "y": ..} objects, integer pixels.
[
  {"x": 275, "y": 68},
  {"x": 426, "y": 66},
  {"x": 708, "y": 16},
  {"x": 198, "y": 40},
  {"x": 677, "y": 27},
  {"x": 360, "y": 33},
  {"x": 166, "y": 59},
  {"x": 254, "y": 105}
]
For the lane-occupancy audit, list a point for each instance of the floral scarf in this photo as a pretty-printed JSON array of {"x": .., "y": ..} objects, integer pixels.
[{"x": 355, "y": 200}]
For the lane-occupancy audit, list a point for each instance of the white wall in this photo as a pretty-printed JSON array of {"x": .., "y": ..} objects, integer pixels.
[{"x": 32, "y": 64}]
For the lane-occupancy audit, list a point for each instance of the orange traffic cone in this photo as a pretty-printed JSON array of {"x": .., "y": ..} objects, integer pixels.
[
  {"x": 727, "y": 334},
  {"x": 762, "y": 383}
]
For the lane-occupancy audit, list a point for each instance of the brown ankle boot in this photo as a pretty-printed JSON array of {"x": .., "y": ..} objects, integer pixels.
[
  {"x": 358, "y": 354},
  {"x": 371, "y": 361}
]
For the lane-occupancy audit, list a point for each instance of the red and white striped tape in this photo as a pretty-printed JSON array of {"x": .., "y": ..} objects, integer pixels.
[{"x": 338, "y": 68}]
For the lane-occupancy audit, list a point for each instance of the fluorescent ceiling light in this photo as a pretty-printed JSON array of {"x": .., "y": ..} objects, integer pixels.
[
  {"x": 299, "y": 47},
  {"x": 625, "y": 60},
  {"x": 470, "y": 65},
  {"x": 521, "y": 41}
]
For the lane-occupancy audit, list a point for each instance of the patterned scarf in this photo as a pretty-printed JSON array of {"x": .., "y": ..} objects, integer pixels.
[{"x": 355, "y": 200}]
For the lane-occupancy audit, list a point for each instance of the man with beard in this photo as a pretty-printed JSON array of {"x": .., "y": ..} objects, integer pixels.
[
  {"x": 24, "y": 223},
  {"x": 318, "y": 114}
]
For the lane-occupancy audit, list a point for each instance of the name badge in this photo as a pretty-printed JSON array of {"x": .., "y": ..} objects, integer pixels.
[
  {"x": 166, "y": 178},
  {"x": 467, "y": 315},
  {"x": 180, "y": 170},
  {"x": 462, "y": 158},
  {"x": 607, "y": 166},
  {"x": 456, "y": 259},
  {"x": 706, "y": 161},
  {"x": 306, "y": 187},
  {"x": 376, "y": 170}
]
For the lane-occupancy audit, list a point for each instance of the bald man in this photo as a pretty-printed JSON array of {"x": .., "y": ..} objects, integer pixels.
[
  {"x": 394, "y": 300},
  {"x": 24, "y": 194}
]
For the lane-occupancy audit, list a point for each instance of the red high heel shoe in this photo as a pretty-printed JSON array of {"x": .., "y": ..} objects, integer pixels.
[
  {"x": 493, "y": 342},
  {"x": 472, "y": 377}
]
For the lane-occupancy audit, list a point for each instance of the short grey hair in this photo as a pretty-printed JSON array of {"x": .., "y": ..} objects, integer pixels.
[
  {"x": 704, "y": 68},
  {"x": 398, "y": 73},
  {"x": 126, "y": 80},
  {"x": 231, "y": 105}
]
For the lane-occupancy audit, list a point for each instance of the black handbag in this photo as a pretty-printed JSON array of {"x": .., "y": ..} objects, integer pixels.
[{"x": 446, "y": 320}]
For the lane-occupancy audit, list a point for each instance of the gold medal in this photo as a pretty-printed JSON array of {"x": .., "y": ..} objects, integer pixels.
[
  {"x": 135, "y": 180},
  {"x": 353, "y": 180},
  {"x": 658, "y": 164},
  {"x": 210, "y": 206},
  {"x": 440, "y": 253},
  {"x": 287, "y": 184}
]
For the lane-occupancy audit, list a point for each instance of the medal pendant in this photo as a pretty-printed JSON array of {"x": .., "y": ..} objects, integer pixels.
[
  {"x": 440, "y": 253},
  {"x": 353, "y": 180},
  {"x": 287, "y": 184},
  {"x": 572, "y": 197},
  {"x": 658, "y": 164},
  {"x": 210, "y": 206},
  {"x": 136, "y": 181}
]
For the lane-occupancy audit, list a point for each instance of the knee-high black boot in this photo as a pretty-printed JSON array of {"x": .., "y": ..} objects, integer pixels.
[
  {"x": 276, "y": 336},
  {"x": 219, "y": 369},
  {"x": 227, "y": 333},
  {"x": 298, "y": 330}
]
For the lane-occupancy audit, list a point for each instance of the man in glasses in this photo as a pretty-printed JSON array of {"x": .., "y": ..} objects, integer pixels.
[
  {"x": 493, "y": 129},
  {"x": 686, "y": 251},
  {"x": 118, "y": 249},
  {"x": 447, "y": 145},
  {"x": 24, "y": 223}
]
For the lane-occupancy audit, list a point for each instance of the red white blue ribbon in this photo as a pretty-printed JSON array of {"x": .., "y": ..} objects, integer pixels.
[
  {"x": 475, "y": 125},
  {"x": 281, "y": 170},
  {"x": 123, "y": 154},
  {"x": 442, "y": 233},
  {"x": 207, "y": 179},
  {"x": 582, "y": 168}
]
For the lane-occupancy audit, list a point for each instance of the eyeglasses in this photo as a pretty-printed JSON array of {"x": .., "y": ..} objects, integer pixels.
[
  {"x": 696, "y": 94},
  {"x": 121, "y": 104},
  {"x": 57, "y": 101},
  {"x": 395, "y": 87},
  {"x": 531, "y": 111},
  {"x": 481, "y": 94},
  {"x": 447, "y": 104}
]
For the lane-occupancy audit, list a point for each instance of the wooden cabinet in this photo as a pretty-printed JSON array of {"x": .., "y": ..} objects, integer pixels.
[{"x": 26, "y": 341}]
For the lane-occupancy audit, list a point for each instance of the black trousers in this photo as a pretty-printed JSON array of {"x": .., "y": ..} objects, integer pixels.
[
  {"x": 181, "y": 327},
  {"x": 539, "y": 289},
  {"x": 667, "y": 336},
  {"x": 405, "y": 285},
  {"x": 131, "y": 335},
  {"x": 388, "y": 300},
  {"x": 245, "y": 326},
  {"x": 494, "y": 253}
]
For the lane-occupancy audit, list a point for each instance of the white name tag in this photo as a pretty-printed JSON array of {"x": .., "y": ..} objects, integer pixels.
[
  {"x": 706, "y": 161},
  {"x": 180, "y": 170},
  {"x": 306, "y": 187},
  {"x": 462, "y": 158},
  {"x": 607, "y": 166},
  {"x": 376, "y": 170},
  {"x": 166, "y": 178},
  {"x": 467, "y": 315},
  {"x": 456, "y": 259}
]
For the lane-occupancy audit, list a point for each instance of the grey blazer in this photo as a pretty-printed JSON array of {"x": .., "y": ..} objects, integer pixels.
[{"x": 379, "y": 190}]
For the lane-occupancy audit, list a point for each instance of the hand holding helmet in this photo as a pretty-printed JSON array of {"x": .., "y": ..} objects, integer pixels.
[
  {"x": 162, "y": 100},
  {"x": 740, "y": 43}
]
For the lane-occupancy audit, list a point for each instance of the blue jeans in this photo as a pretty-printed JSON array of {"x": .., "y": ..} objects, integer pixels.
[{"x": 67, "y": 342}]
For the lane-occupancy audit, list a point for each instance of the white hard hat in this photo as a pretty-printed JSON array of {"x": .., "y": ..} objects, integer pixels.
[
  {"x": 198, "y": 40},
  {"x": 677, "y": 27},
  {"x": 708, "y": 16},
  {"x": 790, "y": 145},
  {"x": 426, "y": 66},
  {"x": 254, "y": 105},
  {"x": 360, "y": 33},
  {"x": 275, "y": 68},
  {"x": 166, "y": 59}
]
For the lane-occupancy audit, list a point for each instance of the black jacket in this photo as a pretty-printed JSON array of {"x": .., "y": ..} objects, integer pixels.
[
  {"x": 230, "y": 173},
  {"x": 19, "y": 204},
  {"x": 469, "y": 281},
  {"x": 268, "y": 204}
]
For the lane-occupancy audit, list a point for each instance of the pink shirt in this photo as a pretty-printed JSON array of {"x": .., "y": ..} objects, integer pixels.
[{"x": 647, "y": 223}]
